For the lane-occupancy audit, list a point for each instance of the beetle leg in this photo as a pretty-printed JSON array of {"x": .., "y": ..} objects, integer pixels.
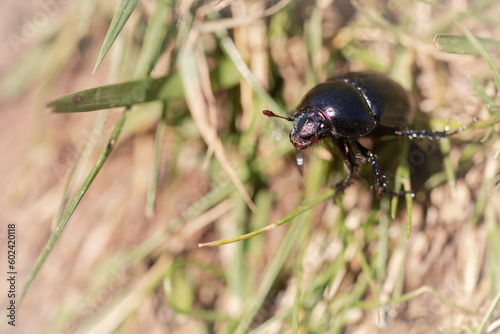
[
  {"x": 430, "y": 134},
  {"x": 350, "y": 160},
  {"x": 379, "y": 182}
]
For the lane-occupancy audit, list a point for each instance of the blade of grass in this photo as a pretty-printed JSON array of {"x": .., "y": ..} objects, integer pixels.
[
  {"x": 221, "y": 191},
  {"x": 403, "y": 178},
  {"x": 155, "y": 166},
  {"x": 313, "y": 184},
  {"x": 383, "y": 238},
  {"x": 228, "y": 23},
  {"x": 296, "y": 302},
  {"x": 298, "y": 292},
  {"x": 91, "y": 141},
  {"x": 255, "y": 304},
  {"x": 488, "y": 314},
  {"x": 296, "y": 233},
  {"x": 154, "y": 36},
  {"x": 456, "y": 44},
  {"x": 484, "y": 195},
  {"x": 367, "y": 270},
  {"x": 119, "y": 95},
  {"x": 445, "y": 146},
  {"x": 190, "y": 78},
  {"x": 403, "y": 250},
  {"x": 264, "y": 200},
  {"x": 482, "y": 51},
  {"x": 313, "y": 36},
  {"x": 232, "y": 52},
  {"x": 129, "y": 93},
  {"x": 170, "y": 290},
  {"x": 488, "y": 101},
  {"x": 88, "y": 147},
  {"x": 109, "y": 320},
  {"x": 122, "y": 14},
  {"x": 234, "y": 257},
  {"x": 414, "y": 294},
  {"x": 74, "y": 203},
  {"x": 346, "y": 302},
  {"x": 445, "y": 22},
  {"x": 109, "y": 273},
  {"x": 494, "y": 253},
  {"x": 300, "y": 210}
]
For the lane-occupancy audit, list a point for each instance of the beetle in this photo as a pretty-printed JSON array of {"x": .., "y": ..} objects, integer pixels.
[{"x": 350, "y": 106}]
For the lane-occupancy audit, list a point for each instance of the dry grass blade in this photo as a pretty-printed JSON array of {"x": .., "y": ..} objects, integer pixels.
[
  {"x": 239, "y": 21},
  {"x": 196, "y": 101}
]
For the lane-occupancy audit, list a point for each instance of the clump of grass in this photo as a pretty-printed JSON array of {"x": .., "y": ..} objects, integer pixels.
[{"x": 203, "y": 73}]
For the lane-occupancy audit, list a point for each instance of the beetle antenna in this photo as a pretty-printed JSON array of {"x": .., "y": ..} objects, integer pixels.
[{"x": 269, "y": 113}]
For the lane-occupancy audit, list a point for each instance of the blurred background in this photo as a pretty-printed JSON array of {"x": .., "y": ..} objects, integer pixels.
[{"x": 196, "y": 161}]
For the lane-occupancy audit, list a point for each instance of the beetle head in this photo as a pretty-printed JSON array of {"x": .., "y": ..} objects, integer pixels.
[{"x": 309, "y": 127}]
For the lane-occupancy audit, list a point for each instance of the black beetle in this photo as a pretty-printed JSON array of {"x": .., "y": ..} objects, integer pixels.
[{"x": 350, "y": 106}]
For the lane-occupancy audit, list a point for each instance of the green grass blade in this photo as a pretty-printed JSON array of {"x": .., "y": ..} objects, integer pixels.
[
  {"x": 177, "y": 301},
  {"x": 121, "y": 16},
  {"x": 290, "y": 239},
  {"x": 488, "y": 101},
  {"x": 155, "y": 168},
  {"x": 119, "y": 95},
  {"x": 456, "y": 44},
  {"x": 153, "y": 39},
  {"x": 232, "y": 52},
  {"x": 89, "y": 146},
  {"x": 489, "y": 314},
  {"x": 403, "y": 180},
  {"x": 129, "y": 93},
  {"x": 483, "y": 52},
  {"x": 298, "y": 298},
  {"x": 445, "y": 147},
  {"x": 110, "y": 319},
  {"x": 368, "y": 271},
  {"x": 300, "y": 210},
  {"x": 74, "y": 203},
  {"x": 295, "y": 235},
  {"x": 237, "y": 275},
  {"x": 383, "y": 238},
  {"x": 494, "y": 254},
  {"x": 485, "y": 190}
]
